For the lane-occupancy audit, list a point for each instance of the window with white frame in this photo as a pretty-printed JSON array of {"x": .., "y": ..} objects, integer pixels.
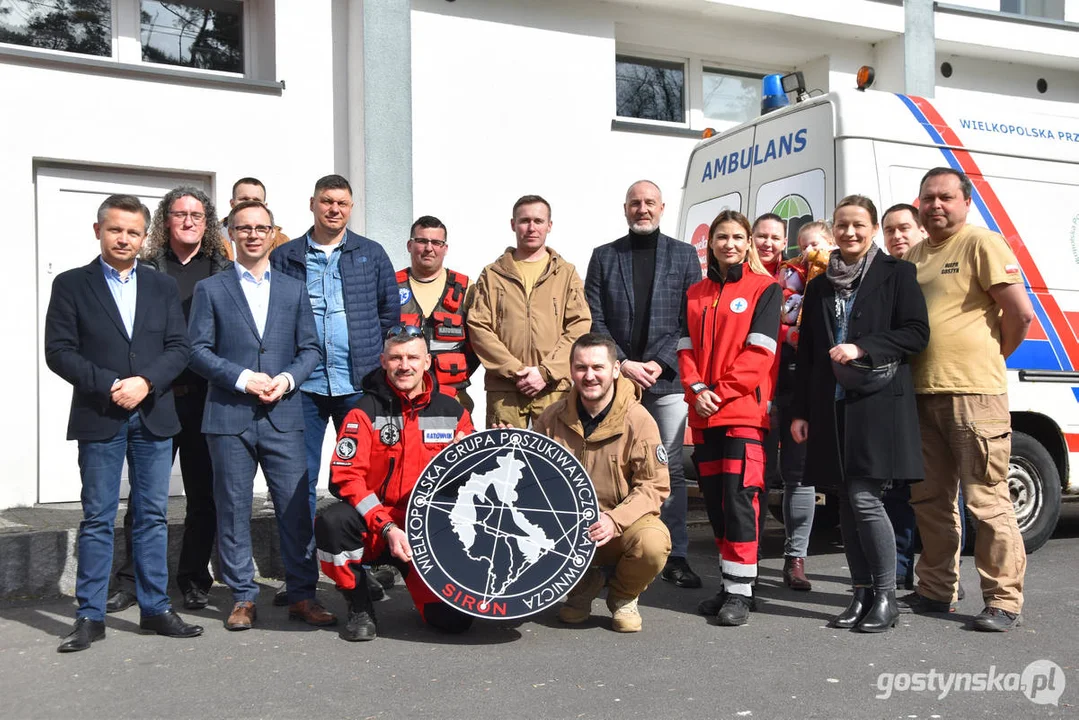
[
  {"x": 205, "y": 34},
  {"x": 219, "y": 36},
  {"x": 730, "y": 96},
  {"x": 76, "y": 26},
  {"x": 689, "y": 92},
  {"x": 650, "y": 89}
]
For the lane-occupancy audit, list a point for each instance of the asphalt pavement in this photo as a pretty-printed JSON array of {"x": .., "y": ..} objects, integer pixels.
[{"x": 784, "y": 664}]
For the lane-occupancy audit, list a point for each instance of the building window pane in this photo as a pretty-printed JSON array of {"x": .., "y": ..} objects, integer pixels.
[
  {"x": 649, "y": 89},
  {"x": 78, "y": 26},
  {"x": 205, "y": 34},
  {"x": 730, "y": 97}
]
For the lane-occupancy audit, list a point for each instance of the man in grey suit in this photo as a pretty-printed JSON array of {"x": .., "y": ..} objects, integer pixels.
[
  {"x": 254, "y": 360},
  {"x": 636, "y": 289}
]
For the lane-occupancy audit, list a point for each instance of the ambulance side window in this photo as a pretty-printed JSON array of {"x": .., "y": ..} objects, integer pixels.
[{"x": 798, "y": 199}]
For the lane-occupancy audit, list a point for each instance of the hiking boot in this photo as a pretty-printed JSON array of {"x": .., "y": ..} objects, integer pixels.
[
  {"x": 993, "y": 619},
  {"x": 362, "y": 624},
  {"x": 735, "y": 610},
  {"x": 624, "y": 614},
  {"x": 578, "y": 605}
]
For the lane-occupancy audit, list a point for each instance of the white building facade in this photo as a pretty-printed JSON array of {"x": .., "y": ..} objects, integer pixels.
[{"x": 431, "y": 107}]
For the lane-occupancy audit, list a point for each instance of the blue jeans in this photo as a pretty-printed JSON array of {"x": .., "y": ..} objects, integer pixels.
[
  {"x": 149, "y": 462},
  {"x": 317, "y": 411},
  {"x": 669, "y": 412},
  {"x": 235, "y": 459}
]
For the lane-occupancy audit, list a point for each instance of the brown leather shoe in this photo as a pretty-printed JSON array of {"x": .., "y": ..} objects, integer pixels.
[
  {"x": 794, "y": 574},
  {"x": 242, "y": 616},
  {"x": 312, "y": 613}
]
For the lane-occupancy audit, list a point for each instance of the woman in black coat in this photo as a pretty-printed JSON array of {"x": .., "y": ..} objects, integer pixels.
[{"x": 869, "y": 307}]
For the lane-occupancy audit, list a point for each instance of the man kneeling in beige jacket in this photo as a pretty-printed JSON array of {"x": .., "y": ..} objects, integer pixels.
[{"x": 602, "y": 422}]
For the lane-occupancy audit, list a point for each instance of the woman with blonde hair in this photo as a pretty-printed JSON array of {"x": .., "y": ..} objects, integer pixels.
[{"x": 725, "y": 357}]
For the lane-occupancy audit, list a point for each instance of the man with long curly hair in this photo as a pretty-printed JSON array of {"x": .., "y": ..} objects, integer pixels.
[{"x": 185, "y": 243}]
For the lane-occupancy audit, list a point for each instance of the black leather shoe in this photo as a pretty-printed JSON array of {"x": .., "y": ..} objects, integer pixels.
[
  {"x": 916, "y": 603},
  {"x": 383, "y": 575},
  {"x": 883, "y": 614},
  {"x": 678, "y": 572},
  {"x": 280, "y": 598},
  {"x": 993, "y": 619},
  {"x": 735, "y": 610},
  {"x": 120, "y": 600},
  {"x": 169, "y": 624},
  {"x": 361, "y": 625},
  {"x": 82, "y": 634},
  {"x": 196, "y": 598},
  {"x": 859, "y": 605}
]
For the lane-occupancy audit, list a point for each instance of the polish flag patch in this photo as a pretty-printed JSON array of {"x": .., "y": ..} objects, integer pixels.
[{"x": 1011, "y": 269}]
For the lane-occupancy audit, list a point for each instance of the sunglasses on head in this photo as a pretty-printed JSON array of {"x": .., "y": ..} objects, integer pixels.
[{"x": 404, "y": 331}]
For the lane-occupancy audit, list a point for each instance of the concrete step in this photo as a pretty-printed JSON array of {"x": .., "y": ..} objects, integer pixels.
[{"x": 38, "y": 546}]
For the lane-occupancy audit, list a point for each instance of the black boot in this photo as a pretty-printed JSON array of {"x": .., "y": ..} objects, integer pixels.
[
  {"x": 883, "y": 613},
  {"x": 859, "y": 606},
  {"x": 361, "y": 623}
]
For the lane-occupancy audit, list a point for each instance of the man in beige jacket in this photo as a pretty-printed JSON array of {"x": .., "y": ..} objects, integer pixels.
[
  {"x": 603, "y": 423},
  {"x": 527, "y": 309}
]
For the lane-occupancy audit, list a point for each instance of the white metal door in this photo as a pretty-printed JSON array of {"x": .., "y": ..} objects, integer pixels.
[{"x": 67, "y": 202}]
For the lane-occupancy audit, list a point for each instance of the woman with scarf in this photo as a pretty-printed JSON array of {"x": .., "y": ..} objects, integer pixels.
[
  {"x": 868, "y": 308},
  {"x": 725, "y": 357}
]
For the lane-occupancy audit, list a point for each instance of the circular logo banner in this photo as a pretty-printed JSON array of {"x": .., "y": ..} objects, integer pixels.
[{"x": 498, "y": 523}]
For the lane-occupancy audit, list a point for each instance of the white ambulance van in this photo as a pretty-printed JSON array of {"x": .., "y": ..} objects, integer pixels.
[{"x": 799, "y": 160}]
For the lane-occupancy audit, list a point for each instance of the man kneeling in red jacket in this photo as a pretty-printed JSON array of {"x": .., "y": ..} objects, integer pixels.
[{"x": 380, "y": 453}]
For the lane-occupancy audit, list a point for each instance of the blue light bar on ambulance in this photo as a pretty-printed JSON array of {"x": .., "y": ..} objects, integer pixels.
[{"x": 772, "y": 95}]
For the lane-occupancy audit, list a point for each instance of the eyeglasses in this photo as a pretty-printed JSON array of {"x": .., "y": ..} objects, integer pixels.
[
  {"x": 428, "y": 241},
  {"x": 404, "y": 331},
  {"x": 261, "y": 230},
  {"x": 196, "y": 217}
]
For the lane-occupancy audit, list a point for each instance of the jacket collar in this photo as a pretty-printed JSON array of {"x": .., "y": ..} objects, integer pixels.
[
  {"x": 504, "y": 265},
  {"x": 625, "y": 394},
  {"x": 734, "y": 273}
]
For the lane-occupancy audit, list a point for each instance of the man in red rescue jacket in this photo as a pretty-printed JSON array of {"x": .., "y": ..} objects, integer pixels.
[
  {"x": 433, "y": 299},
  {"x": 399, "y": 424}
]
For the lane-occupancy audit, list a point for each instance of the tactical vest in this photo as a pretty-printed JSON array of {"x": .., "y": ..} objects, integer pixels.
[{"x": 444, "y": 329}]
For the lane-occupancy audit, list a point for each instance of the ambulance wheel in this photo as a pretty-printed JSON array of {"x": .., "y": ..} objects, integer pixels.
[{"x": 1034, "y": 484}]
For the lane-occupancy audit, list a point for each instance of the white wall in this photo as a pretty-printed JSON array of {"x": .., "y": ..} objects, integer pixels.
[{"x": 93, "y": 119}]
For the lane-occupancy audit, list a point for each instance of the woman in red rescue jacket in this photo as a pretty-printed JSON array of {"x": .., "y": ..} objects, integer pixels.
[{"x": 725, "y": 357}]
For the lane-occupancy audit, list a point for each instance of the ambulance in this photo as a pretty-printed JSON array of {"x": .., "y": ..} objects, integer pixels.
[{"x": 799, "y": 160}]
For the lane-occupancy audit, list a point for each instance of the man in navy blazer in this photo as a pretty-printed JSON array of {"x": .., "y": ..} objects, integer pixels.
[
  {"x": 116, "y": 333},
  {"x": 636, "y": 289},
  {"x": 253, "y": 338}
]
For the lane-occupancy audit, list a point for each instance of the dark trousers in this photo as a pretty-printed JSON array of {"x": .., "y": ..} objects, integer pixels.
[
  {"x": 281, "y": 456},
  {"x": 344, "y": 544},
  {"x": 868, "y": 540},
  {"x": 200, "y": 520}
]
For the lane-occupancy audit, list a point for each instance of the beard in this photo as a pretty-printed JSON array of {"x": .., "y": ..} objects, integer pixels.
[{"x": 644, "y": 227}]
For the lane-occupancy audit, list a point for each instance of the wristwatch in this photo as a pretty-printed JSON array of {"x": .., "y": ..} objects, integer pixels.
[
  {"x": 387, "y": 527},
  {"x": 698, "y": 388}
]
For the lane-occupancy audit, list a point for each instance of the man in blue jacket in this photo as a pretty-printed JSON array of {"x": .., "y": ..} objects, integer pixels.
[
  {"x": 636, "y": 289},
  {"x": 355, "y": 301}
]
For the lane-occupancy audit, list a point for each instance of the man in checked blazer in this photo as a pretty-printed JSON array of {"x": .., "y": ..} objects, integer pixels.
[
  {"x": 636, "y": 288},
  {"x": 253, "y": 338}
]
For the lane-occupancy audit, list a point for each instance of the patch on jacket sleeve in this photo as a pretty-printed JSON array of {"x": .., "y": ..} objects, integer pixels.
[
  {"x": 661, "y": 454},
  {"x": 346, "y": 448}
]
